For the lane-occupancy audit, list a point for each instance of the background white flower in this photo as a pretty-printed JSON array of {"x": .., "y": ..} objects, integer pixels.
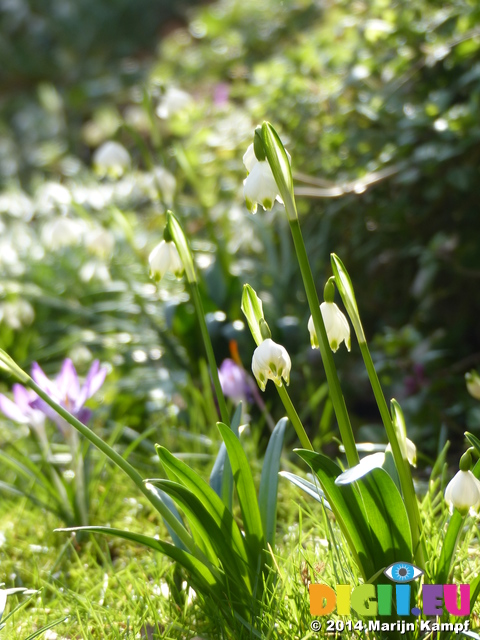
[{"x": 165, "y": 258}]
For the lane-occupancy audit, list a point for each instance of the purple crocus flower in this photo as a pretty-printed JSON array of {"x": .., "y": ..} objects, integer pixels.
[
  {"x": 234, "y": 381},
  {"x": 65, "y": 390},
  {"x": 20, "y": 409}
]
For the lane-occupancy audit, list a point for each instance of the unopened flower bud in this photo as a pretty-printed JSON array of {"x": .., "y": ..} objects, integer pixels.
[
  {"x": 164, "y": 258},
  {"x": 336, "y": 326},
  {"x": 271, "y": 362}
]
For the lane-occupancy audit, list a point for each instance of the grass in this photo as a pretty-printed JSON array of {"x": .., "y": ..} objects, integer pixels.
[{"x": 110, "y": 589}]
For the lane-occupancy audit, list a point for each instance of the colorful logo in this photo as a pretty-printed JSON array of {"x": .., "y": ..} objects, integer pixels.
[{"x": 385, "y": 599}]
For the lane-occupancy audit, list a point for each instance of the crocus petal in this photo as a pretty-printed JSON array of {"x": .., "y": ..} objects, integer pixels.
[
  {"x": 94, "y": 380},
  {"x": 23, "y": 398},
  {"x": 67, "y": 381},
  {"x": 11, "y": 410},
  {"x": 46, "y": 409},
  {"x": 43, "y": 382},
  {"x": 84, "y": 415}
]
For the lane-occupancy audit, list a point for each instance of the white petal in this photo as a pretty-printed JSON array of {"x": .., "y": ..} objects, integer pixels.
[
  {"x": 463, "y": 491},
  {"x": 271, "y": 362},
  {"x": 165, "y": 258},
  {"x": 249, "y": 158},
  {"x": 260, "y": 186}
]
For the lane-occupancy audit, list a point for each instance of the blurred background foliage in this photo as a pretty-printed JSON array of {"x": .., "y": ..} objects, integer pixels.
[{"x": 378, "y": 104}]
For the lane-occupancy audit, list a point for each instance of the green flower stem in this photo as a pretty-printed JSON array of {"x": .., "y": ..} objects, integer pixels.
[
  {"x": 293, "y": 416},
  {"x": 450, "y": 541},
  {"x": 336, "y": 395},
  {"x": 197, "y": 301},
  {"x": 119, "y": 461},
  {"x": 402, "y": 465}
]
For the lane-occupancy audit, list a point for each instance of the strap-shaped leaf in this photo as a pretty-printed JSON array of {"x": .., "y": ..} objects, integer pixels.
[
  {"x": 310, "y": 489},
  {"x": 267, "y": 495},
  {"x": 169, "y": 503},
  {"x": 221, "y": 478},
  {"x": 347, "y": 507},
  {"x": 373, "y": 461},
  {"x": 218, "y": 537},
  {"x": 375, "y": 513},
  {"x": 387, "y": 518},
  {"x": 182, "y": 473},
  {"x": 247, "y": 495}
]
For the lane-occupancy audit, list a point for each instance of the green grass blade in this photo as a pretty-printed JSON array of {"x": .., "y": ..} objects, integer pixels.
[
  {"x": 310, "y": 489},
  {"x": 267, "y": 495},
  {"x": 247, "y": 495},
  {"x": 3, "y": 602},
  {"x": 46, "y": 628},
  {"x": 206, "y": 577},
  {"x": 126, "y": 467}
]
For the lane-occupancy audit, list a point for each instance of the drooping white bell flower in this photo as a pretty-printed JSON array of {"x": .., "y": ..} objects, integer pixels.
[
  {"x": 173, "y": 101},
  {"x": 463, "y": 492},
  {"x": 111, "y": 159},
  {"x": 336, "y": 326},
  {"x": 259, "y": 187},
  {"x": 165, "y": 258},
  {"x": 100, "y": 242},
  {"x": 271, "y": 362},
  {"x": 411, "y": 451},
  {"x": 473, "y": 384},
  {"x": 62, "y": 232}
]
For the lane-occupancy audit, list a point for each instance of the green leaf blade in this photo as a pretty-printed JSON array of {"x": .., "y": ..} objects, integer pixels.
[{"x": 268, "y": 492}]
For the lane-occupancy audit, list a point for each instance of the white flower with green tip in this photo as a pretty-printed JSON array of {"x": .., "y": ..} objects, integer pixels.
[
  {"x": 111, "y": 159},
  {"x": 473, "y": 384},
  {"x": 336, "y": 326},
  {"x": 271, "y": 362},
  {"x": 463, "y": 492},
  {"x": 165, "y": 259},
  {"x": 259, "y": 187}
]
